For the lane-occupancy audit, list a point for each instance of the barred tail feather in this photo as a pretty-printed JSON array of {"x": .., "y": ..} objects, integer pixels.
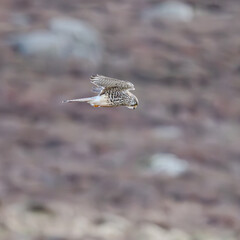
[{"x": 78, "y": 100}]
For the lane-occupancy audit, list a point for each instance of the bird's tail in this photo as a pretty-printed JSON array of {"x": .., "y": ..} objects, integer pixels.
[{"x": 78, "y": 100}]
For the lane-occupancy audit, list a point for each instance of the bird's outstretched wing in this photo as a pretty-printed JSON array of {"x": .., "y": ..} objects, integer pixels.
[{"x": 103, "y": 82}]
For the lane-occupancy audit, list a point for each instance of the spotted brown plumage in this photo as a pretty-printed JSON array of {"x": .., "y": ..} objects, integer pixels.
[
  {"x": 111, "y": 93},
  {"x": 107, "y": 82}
]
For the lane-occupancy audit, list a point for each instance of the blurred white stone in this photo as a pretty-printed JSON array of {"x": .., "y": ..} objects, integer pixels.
[
  {"x": 170, "y": 10},
  {"x": 41, "y": 43},
  {"x": 65, "y": 39},
  {"x": 86, "y": 41},
  {"x": 168, "y": 164}
]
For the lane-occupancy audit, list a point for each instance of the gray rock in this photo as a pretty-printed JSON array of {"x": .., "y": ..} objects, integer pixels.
[
  {"x": 42, "y": 43},
  {"x": 85, "y": 40},
  {"x": 170, "y": 10},
  {"x": 65, "y": 39},
  {"x": 168, "y": 164}
]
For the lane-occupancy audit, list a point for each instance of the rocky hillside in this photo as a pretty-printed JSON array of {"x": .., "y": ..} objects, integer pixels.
[{"x": 169, "y": 169}]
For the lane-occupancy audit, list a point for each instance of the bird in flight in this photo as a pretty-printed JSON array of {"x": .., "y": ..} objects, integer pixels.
[{"x": 111, "y": 93}]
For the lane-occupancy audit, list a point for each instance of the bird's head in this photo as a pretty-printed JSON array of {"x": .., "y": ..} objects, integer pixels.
[{"x": 133, "y": 103}]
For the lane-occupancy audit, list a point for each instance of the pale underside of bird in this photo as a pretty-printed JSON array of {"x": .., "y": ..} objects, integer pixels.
[{"x": 111, "y": 93}]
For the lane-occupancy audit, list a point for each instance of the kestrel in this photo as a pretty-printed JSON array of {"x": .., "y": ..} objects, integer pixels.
[{"x": 111, "y": 93}]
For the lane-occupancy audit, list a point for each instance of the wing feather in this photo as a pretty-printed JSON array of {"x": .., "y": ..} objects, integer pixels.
[
  {"x": 107, "y": 82},
  {"x": 97, "y": 89}
]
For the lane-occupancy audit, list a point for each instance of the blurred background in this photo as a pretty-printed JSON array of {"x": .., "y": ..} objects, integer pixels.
[{"x": 169, "y": 169}]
